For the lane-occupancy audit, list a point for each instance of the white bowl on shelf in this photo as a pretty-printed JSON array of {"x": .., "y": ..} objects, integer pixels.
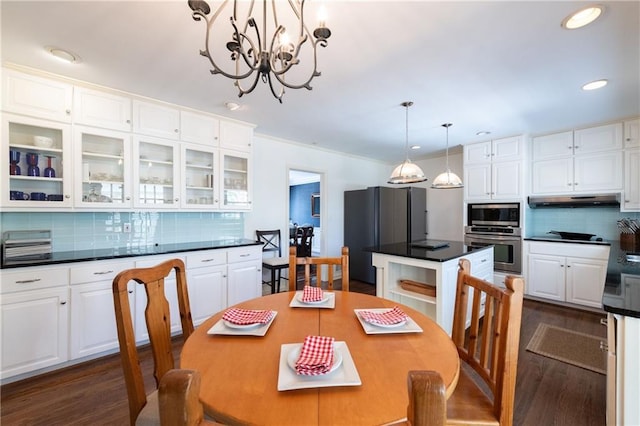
[{"x": 43, "y": 141}]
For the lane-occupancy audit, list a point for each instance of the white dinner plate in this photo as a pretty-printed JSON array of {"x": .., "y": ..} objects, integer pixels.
[
  {"x": 295, "y": 354},
  {"x": 409, "y": 326},
  {"x": 259, "y": 329},
  {"x": 242, "y": 326},
  {"x": 346, "y": 375},
  {"x": 398, "y": 324},
  {"x": 327, "y": 302},
  {"x": 325, "y": 297}
]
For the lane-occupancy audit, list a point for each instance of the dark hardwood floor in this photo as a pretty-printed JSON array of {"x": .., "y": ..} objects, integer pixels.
[{"x": 548, "y": 392}]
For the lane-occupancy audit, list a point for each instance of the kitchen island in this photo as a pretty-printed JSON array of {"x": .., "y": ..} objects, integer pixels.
[{"x": 437, "y": 267}]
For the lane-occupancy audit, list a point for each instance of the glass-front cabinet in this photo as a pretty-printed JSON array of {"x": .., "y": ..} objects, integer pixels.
[
  {"x": 102, "y": 168},
  {"x": 156, "y": 173},
  {"x": 200, "y": 177},
  {"x": 236, "y": 182},
  {"x": 36, "y": 169}
]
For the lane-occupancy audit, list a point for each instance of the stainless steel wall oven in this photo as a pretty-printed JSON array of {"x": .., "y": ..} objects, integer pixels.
[{"x": 496, "y": 224}]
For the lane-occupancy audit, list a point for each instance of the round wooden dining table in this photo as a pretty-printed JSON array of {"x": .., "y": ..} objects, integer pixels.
[{"x": 240, "y": 373}]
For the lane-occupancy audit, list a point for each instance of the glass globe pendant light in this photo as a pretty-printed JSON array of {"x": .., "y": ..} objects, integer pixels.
[
  {"x": 407, "y": 172},
  {"x": 447, "y": 179}
]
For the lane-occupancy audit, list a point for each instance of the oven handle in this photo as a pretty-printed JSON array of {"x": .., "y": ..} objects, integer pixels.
[{"x": 490, "y": 239}]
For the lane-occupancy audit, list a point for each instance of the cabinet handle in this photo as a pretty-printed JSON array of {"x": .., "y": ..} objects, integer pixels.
[
  {"x": 130, "y": 291},
  {"x": 569, "y": 183},
  {"x": 64, "y": 302},
  {"x": 568, "y": 266},
  {"x": 127, "y": 198},
  {"x": 604, "y": 347},
  {"x": 224, "y": 276},
  {"x": 604, "y": 321},
  {"x": 483, "y": 260},
  {"x": 128, "y": 121},
  {"x": 102, "y": 273},
  {"x": 207, "y": 260},
  {"x": 245, "y": 255},
  {"x": 177, "y": 199},
  {"x": 67, "y": 196},
  {"x": 487, "y": 193},
  {"x": 68, "y": 112},
  {"x": 35, "y": 280},
  {"x": 575, "y": 184},
  {"x": 576, "y": 147},
  {"x": 175, "y": 130}
]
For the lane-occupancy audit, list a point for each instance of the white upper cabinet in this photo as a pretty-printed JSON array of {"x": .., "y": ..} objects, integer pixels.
[
  {"x": 101, "y": 109},
  {"x": 156, "y": 173},
  {"x": 236, "y": 136},
  {"x": 199, "y": 128},
  {"x": 632, "y": 133},
  {"x": 506, "y": 149},
  {"x": 35, "y": 96},
  {"x": 154, "y": 119},
  {"x": 631, "y": 201},
  {"x": 596, "y": 139},
  {"x": 552, "y": 146},
  {"x": 493, "y": 170},
  {"x": 584, "y": 160}
]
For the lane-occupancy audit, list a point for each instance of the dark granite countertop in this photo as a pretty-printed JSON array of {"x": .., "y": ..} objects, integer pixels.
[
  {"x": 453, "y": 250},
  {"x": 622, "y": 287},
  {"x": 122, "y": 252},
  {"x": 557, "y": 239}
]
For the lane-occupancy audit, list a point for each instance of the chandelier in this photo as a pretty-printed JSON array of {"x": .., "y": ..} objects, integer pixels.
[
  {"x": 407, "y": 172},
  {"x": 268, "y": 53},
  {"x": 447, "y": 179}
]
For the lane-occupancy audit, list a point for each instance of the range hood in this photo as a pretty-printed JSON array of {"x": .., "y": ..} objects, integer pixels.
[{"x": 597, "y": 200}]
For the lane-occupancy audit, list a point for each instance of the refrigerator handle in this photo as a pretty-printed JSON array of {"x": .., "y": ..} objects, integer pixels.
[{"x": 426, "y": 222}]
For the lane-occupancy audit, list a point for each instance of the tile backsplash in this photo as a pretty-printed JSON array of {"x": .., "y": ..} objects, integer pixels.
[
  {"x": 600, "y": 221},
  {"x": 86, "y": 231}
]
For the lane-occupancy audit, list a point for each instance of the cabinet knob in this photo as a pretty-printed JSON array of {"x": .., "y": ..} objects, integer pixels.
[
  {"x": 127, "y": 198},
  {"x": 64, "y": 302},
  {"x": 575, "y": 183},
  {"x": 576, "y": 147},
  {"x": 130, "y": 291},
  {"x": 569, "y": 183},
  {"x": 177, "y": 199},
  {"x": 569, "y": 147},
  {"x": 128, "y": 121},
  {"x": 175, "y": 130},
  {"x": 68, "y": 112},
  {"x": 67, "y": 196}
]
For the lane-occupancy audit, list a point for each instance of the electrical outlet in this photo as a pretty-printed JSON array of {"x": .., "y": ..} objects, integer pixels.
[{"x": 126, "y": 227}]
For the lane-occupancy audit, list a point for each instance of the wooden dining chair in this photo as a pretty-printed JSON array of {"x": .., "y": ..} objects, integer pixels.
[
  {"x": 304, "y": 240},
  {"x": 143, "y": 408},
  {"x": 179, "y": 402},
  {"x": 274, "y": 261},
  {"x": 427, "y": 399},
  {"x": 320, "y": 265},
  {"x": 489, "y": 347}
]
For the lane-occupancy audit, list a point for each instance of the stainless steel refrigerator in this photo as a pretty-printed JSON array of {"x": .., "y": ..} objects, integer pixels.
[{"x": 381, "y": 215}]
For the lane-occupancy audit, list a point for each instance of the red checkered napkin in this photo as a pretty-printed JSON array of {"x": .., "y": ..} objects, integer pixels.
[
  {"x": 247, "y": 316},
  {"x": 394, "y": 316},
  {"x": 312, "y": 294},
  {"x": 316, "y": 356}
]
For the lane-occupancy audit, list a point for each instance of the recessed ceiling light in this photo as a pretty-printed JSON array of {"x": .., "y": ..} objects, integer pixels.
[
  {"x": 582, "y": 17},
  {"x": 483, "y": 133},
  {"x": 232, "y": 106},
  {"x": 415, "y": 146},
  {"x": 595, "y": 85},
  {"x": 63, "y": 55}
]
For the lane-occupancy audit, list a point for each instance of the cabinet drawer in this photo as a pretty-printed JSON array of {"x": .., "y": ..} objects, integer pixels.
[
  {"x": 97, "y": 271},
  {"x": 244, "y": 254},
  {"x": 206, "y": 258},
  {"x": 34, "y": 278},
  {"x": 588, "y": 251}
]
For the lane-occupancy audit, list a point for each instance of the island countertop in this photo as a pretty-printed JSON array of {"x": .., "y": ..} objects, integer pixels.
[
  {"x": 133, "y": 251},
  {"x": 453, "y": 250}
]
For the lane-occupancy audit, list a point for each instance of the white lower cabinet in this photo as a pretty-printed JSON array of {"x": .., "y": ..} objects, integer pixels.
[
  {"x": 170, "y": 292},
  {"x": 93, "y": 321},
  {"x": 578, "y": 278},
  {"x": 207, "y": 280},
  {"x": 244, "y": 274},
  {"x": 51, "y": 316},
  {"x": 34, "y": 330}
]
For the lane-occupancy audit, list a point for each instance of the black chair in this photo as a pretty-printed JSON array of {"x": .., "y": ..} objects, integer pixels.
[
  {"x": 275, "y": 263},
  {"x": 304, "y": 239}
]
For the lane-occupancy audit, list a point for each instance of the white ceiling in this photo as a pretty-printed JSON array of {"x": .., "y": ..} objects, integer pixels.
[{"x": 505, "y": 67}]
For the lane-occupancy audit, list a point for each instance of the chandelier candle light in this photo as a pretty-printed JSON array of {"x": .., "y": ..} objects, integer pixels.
[
  {"x": 255, "y": 52},
  {"x": 407, "y": 172},
  {"x": 448, "y": 179}
]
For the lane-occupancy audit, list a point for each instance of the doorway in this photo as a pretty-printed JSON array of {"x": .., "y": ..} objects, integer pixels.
[{"x": 305, "y": 204}]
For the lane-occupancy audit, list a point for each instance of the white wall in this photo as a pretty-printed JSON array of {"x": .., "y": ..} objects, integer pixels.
[
  {"x": 444, "y": 205},
  {"x": 272, "y": 158}
]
